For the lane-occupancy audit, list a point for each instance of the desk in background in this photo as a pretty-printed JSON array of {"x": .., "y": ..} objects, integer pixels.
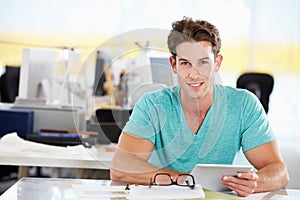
[
  {"x": 62, "y": 117},
  {"x": 18, "y": 152},
  {"x": 60, "y": 189}
]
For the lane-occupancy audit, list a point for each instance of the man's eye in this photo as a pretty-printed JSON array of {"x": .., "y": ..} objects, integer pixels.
[
  {"x": 184, "y": 63},
  {"x": 204, "y": 62}
]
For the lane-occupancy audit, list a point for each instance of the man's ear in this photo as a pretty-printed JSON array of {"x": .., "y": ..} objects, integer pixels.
[
  {"x": 218, "y": 62},
  {"x": 172, "y": 60}
]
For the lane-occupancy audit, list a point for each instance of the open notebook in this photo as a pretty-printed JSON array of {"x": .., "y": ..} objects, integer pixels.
[{"x": 164, "y": 192}]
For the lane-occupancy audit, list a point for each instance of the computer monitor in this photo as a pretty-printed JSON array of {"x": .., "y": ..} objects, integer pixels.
[
  {"x": 161, "y": 71},
  {"x": 151, "y": 69},
  {"x": 37, "y": 73},
  {"x": 153, "y": 72}
]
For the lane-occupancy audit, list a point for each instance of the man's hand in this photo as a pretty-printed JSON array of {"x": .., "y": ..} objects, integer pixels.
[{"x": 243, "y": 184}]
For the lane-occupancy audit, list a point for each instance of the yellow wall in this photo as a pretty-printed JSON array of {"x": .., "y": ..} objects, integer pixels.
[
  {"x": 272, "y": 58},
  {"x": 238, "y": 56}
]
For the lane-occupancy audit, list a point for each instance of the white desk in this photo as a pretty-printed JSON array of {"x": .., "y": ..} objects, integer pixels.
[
  {"x": 25, "y": 154},
  {"x": 63, "y": 189}
]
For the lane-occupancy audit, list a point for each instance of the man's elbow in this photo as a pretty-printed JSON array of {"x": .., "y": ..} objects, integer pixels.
[
  {"x": 285, "y": 178},
  {"x": 286, "y": 182},
  {"x": 116, "y": 175}
]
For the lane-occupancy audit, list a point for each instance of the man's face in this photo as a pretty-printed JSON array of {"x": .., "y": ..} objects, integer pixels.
[{"x": 195, "y": 67}]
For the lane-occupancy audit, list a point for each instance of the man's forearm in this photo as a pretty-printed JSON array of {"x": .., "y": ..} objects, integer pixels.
[
  {"x": 130, "y": 168},
  {"x": 137, "y": 178}
]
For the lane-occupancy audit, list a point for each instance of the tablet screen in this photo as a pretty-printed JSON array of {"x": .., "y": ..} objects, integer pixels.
[{"x": 209, "y": 175}]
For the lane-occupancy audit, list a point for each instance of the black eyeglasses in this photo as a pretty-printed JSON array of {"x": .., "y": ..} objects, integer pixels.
[{"x": 165, "y": 179}]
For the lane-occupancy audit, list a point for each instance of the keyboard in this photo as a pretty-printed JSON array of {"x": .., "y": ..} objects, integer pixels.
[{"x": 59, "y": 141}]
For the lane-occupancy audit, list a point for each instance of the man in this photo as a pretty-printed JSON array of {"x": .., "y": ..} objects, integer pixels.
[{"x": 199, "y": 121}]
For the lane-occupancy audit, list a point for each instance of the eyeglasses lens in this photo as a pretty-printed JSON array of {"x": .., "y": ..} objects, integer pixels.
[
  {"x": 185, "y": 180},
  {"x": 163, "y": 179}
]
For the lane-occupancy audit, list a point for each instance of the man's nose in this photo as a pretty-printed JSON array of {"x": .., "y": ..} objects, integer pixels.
[{"x": 194, "y": 72}]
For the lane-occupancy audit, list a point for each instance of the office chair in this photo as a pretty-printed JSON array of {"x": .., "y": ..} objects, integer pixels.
[
  {"x": 9, "y": 84},
  {"x": 261, "y": 84},
  {"x": 112, "y": 121}
]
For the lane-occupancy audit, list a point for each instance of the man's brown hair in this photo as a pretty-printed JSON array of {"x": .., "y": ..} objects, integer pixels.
[{"x": 187, "y": 30}]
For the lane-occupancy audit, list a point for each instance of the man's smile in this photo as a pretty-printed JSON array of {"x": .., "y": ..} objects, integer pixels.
[{"x": 195, "y": 85}]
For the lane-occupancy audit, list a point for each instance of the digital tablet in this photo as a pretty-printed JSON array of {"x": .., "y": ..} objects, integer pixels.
[{"x": 209, "y": 175}]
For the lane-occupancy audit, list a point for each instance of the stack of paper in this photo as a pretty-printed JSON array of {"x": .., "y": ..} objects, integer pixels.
[
  {"x": 33, "y": 149},
  {"x": 96, "y": 190},
  {"x": 165, "y": 192}
]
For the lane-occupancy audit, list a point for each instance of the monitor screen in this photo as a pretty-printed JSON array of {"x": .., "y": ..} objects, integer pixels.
[
  {"x": 37, "y": 73},
  {"x": 161, "y": 71}
]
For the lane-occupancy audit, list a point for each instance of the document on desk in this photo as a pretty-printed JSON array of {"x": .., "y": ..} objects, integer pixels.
[
  {"x": 41, "y": 150},
  {"x": 165, "y": 192},
  {"x": 98, "y": 191}
]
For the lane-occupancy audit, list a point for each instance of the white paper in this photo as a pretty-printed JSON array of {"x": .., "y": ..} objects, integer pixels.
[
  {"x": 98, "y": 191},
  {"x": 42, "y": 150},
  {"x": 165, "y": 192}
]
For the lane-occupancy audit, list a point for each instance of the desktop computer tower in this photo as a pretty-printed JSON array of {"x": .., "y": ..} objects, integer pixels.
[{"x": 19, "y": 121}]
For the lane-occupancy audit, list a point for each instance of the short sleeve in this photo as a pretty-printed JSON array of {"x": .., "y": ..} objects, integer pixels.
[
  {"x": 141, "y": 121},
  {"x": 256, "y": 129}
]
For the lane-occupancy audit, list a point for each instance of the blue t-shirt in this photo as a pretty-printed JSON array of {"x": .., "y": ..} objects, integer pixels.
[{"x": 235, "y": 120}]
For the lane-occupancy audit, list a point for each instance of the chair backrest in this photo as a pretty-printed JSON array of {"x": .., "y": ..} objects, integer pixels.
[
  {"x": 9, "y": 86},
  {"x": 261, "y": 84},
  {"x": 112, "y": 122}
]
